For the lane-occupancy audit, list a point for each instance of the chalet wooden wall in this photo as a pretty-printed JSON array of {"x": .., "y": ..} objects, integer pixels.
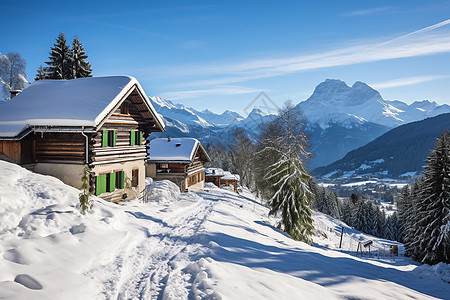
[
  {"x": 11, "y": 149},
  {"x": 60, "y": 147}
]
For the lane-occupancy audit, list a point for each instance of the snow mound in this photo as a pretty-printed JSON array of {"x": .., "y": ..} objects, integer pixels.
[
  {"x": 163, "y": 191},
  {"x": 440, "y": 271}
]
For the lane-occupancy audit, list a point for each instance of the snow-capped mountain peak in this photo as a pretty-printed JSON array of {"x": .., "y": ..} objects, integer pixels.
[{"x": 333, "y": 101}]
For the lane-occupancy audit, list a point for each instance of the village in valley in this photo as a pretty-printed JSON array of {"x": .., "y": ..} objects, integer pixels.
[{"x": 109, "y": 190}]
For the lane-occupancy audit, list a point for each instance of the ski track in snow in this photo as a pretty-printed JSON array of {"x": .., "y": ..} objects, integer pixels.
[{"x": 154, "y": 267}]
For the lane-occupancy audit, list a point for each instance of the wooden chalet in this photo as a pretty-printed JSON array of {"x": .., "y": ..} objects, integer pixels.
[
  {"x": 180, "y": 160},
  {"x": 221, "y": 178},
  {"x": 58, "y": 127}
]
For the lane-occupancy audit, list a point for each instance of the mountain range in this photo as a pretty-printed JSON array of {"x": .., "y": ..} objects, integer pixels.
[
  {"x": 398, "y": 153},
  {"x": 339, "y": 119}
]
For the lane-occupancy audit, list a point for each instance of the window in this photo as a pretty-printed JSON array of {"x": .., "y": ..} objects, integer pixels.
[
  {"x": 108, "y": 138},
  {"x": 136, "y": 138},
  {"x": 134, "y": 178},
  {"x": 164, "y": 166},
  {"x": 120, "y": 179},
  {"x": 125, "y": 108}
]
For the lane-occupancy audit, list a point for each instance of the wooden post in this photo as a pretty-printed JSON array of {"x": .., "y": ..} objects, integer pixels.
[
  {"x": 342, "y": 233},
  {"x": 357, "y": 248}
]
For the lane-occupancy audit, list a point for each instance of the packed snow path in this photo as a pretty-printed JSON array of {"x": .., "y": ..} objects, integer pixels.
[{"x": 154, "y": 268}]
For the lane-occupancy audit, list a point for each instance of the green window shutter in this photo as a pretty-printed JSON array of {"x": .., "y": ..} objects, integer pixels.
[
  {"x": 140, "y": 137},
  {"x": 114, "y": 138},
  {"x": 100, "y": 185},
  {"x": 122, "y": 180},
  {"x": 132, "y": 138},
  {"x": 105, "y": 138},
  {"x": 112, "y": 182}
]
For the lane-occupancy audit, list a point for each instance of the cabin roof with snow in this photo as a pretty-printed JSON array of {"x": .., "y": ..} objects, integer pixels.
[
  {"x": 83, "y": 102},
  {"x": 224, "y": 175},
  {"x": 176, "y": 150},
  {"x": 214, "y": 172}
]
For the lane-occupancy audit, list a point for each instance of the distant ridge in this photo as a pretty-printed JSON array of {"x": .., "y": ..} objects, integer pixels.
[{"x": 400, "y": 151}]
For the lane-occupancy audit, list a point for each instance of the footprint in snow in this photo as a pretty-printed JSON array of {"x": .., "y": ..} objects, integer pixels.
[{"x": 28, "y": 281}]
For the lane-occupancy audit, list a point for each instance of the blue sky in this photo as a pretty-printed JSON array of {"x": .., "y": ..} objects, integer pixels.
[{"x": 220, "y": 54}]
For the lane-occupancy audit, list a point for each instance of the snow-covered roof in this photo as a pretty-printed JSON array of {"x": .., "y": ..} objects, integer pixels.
[
  {"x": 76, "y": 102},
  {"x": 228, "y": 176},
  {"x": 224, "y": 175},
  {"x": 214, "y": 172},
  {"x": 180, "y": 150}
]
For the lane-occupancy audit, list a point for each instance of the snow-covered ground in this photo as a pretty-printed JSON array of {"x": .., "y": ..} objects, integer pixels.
[{"x": 207, "y": 245}]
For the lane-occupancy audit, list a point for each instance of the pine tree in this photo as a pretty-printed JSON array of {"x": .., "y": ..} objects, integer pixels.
[
  {"x": 434, "y": 205},
  {"x": 289, "y": 179},
  {"x": 403, "y": 207},
  {"x": 347, "y": 212},
  {"x": 412, "y": 230},
  {"x": 59, "y": 66},
  {"x": 40, "y": 75},
  {"x": 80, "y": 67}
]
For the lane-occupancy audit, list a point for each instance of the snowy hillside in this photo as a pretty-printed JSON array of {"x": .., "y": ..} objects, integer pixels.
[{"x": 207, "y": 245}]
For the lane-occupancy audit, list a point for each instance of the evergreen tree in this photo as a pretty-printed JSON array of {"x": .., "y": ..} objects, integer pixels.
[
  {"x": 243, "y": 151},
  {"x": 412, "y": 230},
  {"x": 80, "y": 67},
  {"x": 288, "y": 177},
  {"x": 41, "y": 73},
  {"x": 403, "y": 207},
  {"x": 434, "y": 205},
  {"x": 59, "y": 64},
  {"x": 347, "y": 212}
]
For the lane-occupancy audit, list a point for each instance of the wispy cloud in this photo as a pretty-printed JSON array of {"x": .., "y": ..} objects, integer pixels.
[
  {"x": 406, "y": 81},
  {"x": 363, "y": 12},
  {"x": 218, "y": 90},
  {"x": 418, "y": 43}
]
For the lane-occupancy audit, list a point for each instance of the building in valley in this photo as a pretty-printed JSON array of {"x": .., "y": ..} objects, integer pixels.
[
  {"x": 222, "y": 178},
  {"x": 59, "y": 127},
  {"x": 180, "y": 160}
]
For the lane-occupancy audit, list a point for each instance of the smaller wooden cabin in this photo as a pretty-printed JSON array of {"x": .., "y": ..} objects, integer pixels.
[
  {"x": 222, "y": 178},
  {"x": 180, "y": 160}
]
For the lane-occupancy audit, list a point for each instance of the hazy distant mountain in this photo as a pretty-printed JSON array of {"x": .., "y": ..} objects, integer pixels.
[
  {"x": 208, "y": 127},
  {"x": 342, "y": 118},
  {"x": 224, "y": 119},
  {"x": 401, "y": 151}
]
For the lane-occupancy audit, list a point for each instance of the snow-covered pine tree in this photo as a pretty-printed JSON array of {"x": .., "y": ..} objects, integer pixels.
[
  {"x": 434, "y": 204},
  {"x": 347, "y": 212},
  {"x": 412, "y": 230},
  {"x": 80, "y": 67},
  {"x": 288, "y": 177},
  {"x": 243, "y": 151},
  {"x": 40, "y": 75},
  {"x": 396, "y": 227},
  {"x": 59, "y": 66},
  {"x": 403, "y": 207}
]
